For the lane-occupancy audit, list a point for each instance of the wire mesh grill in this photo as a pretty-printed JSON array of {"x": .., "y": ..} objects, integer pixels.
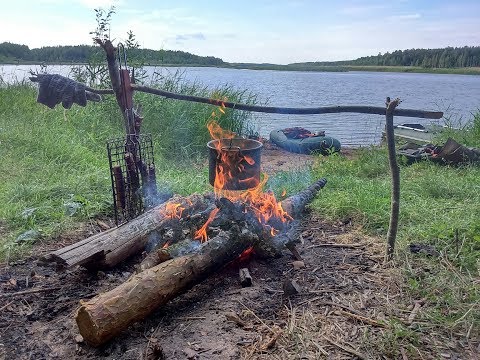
[{"x": 132, "y": 170}]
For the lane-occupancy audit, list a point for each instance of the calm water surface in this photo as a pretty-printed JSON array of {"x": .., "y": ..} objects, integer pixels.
[{"x": 458, "y": 96}]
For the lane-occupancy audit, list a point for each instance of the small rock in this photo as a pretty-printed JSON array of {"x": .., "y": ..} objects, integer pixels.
[
  {"x": 291, "y": 287},
  {"x": 78, "y": 339},
  {"x": 298, "y": 265}
]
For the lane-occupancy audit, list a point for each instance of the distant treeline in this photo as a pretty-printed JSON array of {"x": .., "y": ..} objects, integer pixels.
[
  {"x": 450, "y": 57},
  {"x": 10, "y": 52}
]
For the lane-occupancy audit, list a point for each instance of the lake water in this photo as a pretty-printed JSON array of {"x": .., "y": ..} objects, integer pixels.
[{"x": 458, "y": 96}]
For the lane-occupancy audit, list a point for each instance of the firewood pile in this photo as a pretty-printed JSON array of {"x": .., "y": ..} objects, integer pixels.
[
  {"x": 186, "y": 239},
  {"x": 179, "y": 257}
]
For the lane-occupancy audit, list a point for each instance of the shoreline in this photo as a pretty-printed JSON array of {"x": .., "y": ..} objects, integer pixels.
[{"x": 299, "y": 68}]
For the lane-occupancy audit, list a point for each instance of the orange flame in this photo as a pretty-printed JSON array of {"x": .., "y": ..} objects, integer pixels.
[
  {"x": 230, "y": 164},
  {"x": 172, "y": 210},
  {"x": 166, "y": 245},
  {"x": 216, "y": 132},
  {"x": 201, "y": 234},
  {"x": 246, "y": 254}
]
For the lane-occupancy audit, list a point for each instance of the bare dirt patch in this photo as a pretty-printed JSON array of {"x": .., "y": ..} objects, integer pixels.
[
  {"x": 275, "y": 159},
  {"x": 217, "y": 319}
]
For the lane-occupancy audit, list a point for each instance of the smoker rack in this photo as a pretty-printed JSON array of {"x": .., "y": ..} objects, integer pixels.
[{"x": 132, "y": 172}]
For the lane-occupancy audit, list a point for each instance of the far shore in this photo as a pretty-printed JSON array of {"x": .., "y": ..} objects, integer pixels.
[{"x": 303, "y": 67}]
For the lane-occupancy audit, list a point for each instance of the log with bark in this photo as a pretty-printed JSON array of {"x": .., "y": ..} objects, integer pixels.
[
  {"x": 110, "y": 247},
  {"x": 106, "y": 315}
]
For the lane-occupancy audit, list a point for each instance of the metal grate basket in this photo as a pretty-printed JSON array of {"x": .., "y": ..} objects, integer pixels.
[{"x": 132, "y": 170}]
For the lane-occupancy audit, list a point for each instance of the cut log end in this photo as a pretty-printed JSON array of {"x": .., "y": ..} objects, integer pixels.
[{"x": 88, "y": 328}]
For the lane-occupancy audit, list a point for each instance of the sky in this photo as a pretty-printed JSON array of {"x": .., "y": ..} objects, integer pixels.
[{"x": 261, "y": 31}]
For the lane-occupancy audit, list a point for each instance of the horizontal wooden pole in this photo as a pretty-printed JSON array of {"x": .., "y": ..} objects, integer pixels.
[
  {"x": 291, "y": 110},
  {"x": 283, "y": 110}
]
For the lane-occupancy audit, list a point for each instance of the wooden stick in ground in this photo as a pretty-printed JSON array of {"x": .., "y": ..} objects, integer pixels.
[
  {"x": 395, "y": 171},
  {"x": 109, "y": 248},
  {"x": 106, "y": 315}
]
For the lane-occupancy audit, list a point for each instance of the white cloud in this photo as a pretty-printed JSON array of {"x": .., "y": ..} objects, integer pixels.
[{"x": 405, "y": 17}]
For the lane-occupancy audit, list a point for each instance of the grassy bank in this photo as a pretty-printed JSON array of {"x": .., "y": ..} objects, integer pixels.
[
  {"x": 54, "y": 164},
  {"x": 55, "y": 175},
  {"x": 439, "y": 209},
  {"x": 344, "y": 68}
]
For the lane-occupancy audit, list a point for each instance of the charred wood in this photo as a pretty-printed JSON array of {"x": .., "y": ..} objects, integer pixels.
[
  {"x": 245, "y": 277},
  {"x": 108, "y": 248},
  {"x": 106, "y": 315}
]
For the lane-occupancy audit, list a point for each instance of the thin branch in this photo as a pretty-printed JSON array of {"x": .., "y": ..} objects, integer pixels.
[
  {"x": 264, "y": 109},
  {"x": 31, "y": 291},
  {"x": 363, "y": 319},
  {"x": 291, "y": 110},
  {"x": 347, "y": 349}
]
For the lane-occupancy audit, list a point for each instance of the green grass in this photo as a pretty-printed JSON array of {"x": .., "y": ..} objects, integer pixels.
[
  {"x": 467, "y": 134},
  {"x": 343, "y": 68},
  {"x": 440, "y": 207},
  {"x": 54, "y": 162}
]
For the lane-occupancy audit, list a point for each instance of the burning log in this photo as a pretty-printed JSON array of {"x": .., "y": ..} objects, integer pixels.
[
  {"x": 108, "y": 248},
  {"x": 268, "y": 247},
  {"x": 236, "y": 227},
  {"x": 163, "y": 254},
  {"x": 295, "y": 204}
]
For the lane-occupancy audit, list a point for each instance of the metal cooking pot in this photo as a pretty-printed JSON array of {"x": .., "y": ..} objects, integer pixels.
[{"x": 241, "y": 152}]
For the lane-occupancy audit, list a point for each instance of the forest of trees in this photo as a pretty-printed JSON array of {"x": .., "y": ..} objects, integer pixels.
[
  {"x": 12, "y": 53},
  {"x": 450, "y": 57}
]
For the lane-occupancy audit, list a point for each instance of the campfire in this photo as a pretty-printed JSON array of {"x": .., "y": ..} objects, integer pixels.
[
  {"x": 191, "y": 237},
  {"x": 188, "y": 238}
]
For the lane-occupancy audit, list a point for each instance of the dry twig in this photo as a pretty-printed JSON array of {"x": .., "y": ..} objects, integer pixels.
[
  {"x": 31, "y": 291},
  {"x": 347, "y": 349},
  {"x": 361, "y": 318}
]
